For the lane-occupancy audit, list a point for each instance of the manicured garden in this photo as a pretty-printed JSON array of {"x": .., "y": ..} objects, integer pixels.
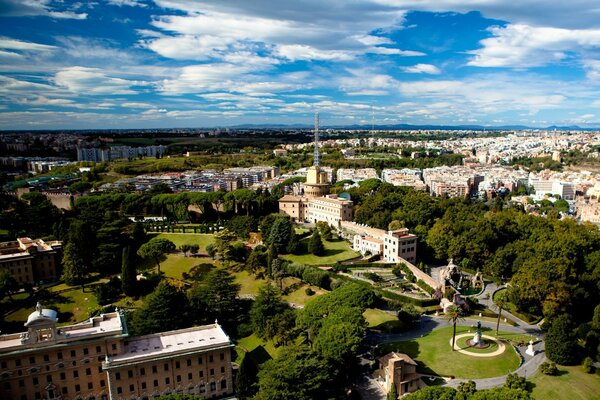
[
  {"x": 434, "y": 356},
  {"x": 336, "y": 250},
  {"x": 200, "y": 239}
]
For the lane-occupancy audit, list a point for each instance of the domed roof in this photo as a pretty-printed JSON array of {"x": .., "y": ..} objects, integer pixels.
[{"x": 41, "y": 314}]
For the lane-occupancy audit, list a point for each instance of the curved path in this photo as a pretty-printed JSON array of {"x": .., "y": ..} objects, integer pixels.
[
  {"x": 499, "y": 350},
  {"x": 529, "y": 365}
]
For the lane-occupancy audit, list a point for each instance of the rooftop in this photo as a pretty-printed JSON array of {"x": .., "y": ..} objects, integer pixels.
[{"x": 180, "y": 341}]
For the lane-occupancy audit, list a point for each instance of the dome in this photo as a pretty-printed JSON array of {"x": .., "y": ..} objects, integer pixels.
[{"x": 41, "y": 315}]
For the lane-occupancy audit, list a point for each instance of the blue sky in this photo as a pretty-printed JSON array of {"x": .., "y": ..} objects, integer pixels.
[{"x": 181, "y": 63}]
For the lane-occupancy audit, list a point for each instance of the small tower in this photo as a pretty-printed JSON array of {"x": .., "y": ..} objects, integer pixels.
[
  {"x": 316, "y": 180},
  {"x": 317, "y": 158}
]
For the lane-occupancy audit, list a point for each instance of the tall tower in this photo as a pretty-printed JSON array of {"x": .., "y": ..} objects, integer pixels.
[{"x": 317, "y": 161}]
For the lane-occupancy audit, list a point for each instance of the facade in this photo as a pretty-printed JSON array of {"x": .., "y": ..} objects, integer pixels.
[
  {"x": 316, "y": 183},
  {"x": 117, "y": 152},
  {"x": 98, "y": 360},
  {"x": 29, "y": 261},
  {"x": 294, "y": 206},
  {"x": 400, "y": 370},
  {"x": 393, "y": 246},
  {"x": 330, "y": 209}
]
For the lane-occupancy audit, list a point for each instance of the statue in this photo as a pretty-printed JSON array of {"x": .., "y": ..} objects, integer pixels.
[
  {"x": 530, "y": 350},
  {"x": 38, "y": 307}
]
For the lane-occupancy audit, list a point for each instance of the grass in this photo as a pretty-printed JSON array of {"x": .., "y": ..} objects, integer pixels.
[
  {"x": 434, "y": 356},
  {"x": 201, "y": 239},
  {"x": 175, "y": 265},
  {"x": 571, "y": 384},
  {"x": 299, "y": 296},
  {"x": 250, "y": 344},
  {"x": 462, "y": 344},
  {"x": 337, "y": 250},
  {"x": 249, "y": 284},
  {"x": 377, "y": 317}
]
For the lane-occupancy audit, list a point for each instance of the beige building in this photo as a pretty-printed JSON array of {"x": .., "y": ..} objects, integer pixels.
[
  {"x": 316, "y": 183},
  {"x": 330, "y": 209},
  {"x": 98, "y": 360},
  {"x": 29, "y": 261},
  {"x": 400, "y": 370},
  {"x": 393, "y": 246}
]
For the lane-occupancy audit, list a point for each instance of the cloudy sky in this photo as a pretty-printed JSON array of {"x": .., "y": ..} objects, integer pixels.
[{"x": 181, "y": 63}]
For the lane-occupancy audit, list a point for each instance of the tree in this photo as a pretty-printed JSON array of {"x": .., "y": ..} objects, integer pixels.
[
  {"x": 215, "y": 298},
  {"x": 453, "y": 313},
  {"x": 392, "y": 394},
  {"x": 224, "y": 244},
  {"x": 500, "y": 302},
  {"x": 7, "y": 284},
  {"x": 79, "y": 253},
  {"x": 185, "y": 248},
  {"x": 280, "y": 234},
  {"x": 432, "y": 393},
  {"x": 128, "y": 272},
  {"x": 166, "y": 306},
  {"x": 501, "y": 393},
  {"x": 266, "y": 307},
  {"x": 514, "y": 381},
  {"x": 194, "y": 248},
  {"x": 297, "y": 374},
  {"x": 465, "y": 389},
  {"x": 324, "y": 230},
  {"x": 315, "y": 244},
  {"x": 138, "y": 234},
  {"x": 560, "y": 341},
  {"x": 247, "y": 379},
  {"x": 155, "y": 249}
]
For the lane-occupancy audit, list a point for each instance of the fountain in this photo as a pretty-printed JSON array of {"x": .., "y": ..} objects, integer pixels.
[{"x": 477, "y": 342}]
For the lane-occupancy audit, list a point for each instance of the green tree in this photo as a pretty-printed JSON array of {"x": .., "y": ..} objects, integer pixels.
[
  {"x": 7, "y": 284},
  {"x": 224, "y": 244},
  {"x": 128, "y": 272},
  {"x": 324, "y": 230},
  {"x": 315, "y": 244},
  {"x": 155, "y": 249},
  {"x": 466, "y": 389},
  {"x": 185, "y": 248},
  {"x": 215, "y": 298},
  {"x": 514, "y": 381},
  {"x": 78, "y": 256},
  {"x": 280, "y": 234},
  {"x": 500, "y": 302},
  {"x": 432, "y": 393},
  {"x": 266, "y": 307},
  {"x": 166, "y": 306},
  {"x": 297, "y": 374},
  {"x": 392, "y": 394},
  {"x": 561, "y": 343},
  {"x": 501, "y": 393},
  {"x": 246, "y": 382},
  {"x": 453, "y": 313}
]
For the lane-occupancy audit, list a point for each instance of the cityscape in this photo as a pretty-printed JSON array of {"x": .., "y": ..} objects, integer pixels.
[{"x": 366, "y": 200}]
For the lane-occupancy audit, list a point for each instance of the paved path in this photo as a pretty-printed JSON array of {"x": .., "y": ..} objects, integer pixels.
[
  {"x": 499, "y": 350},
  {"x": 529, "y": 365}
]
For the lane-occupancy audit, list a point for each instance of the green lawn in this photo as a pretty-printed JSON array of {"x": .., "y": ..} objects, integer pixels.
[
  {"x": 434, "y": 356},
  {"x": 377, "y": 317},
  {"x": 250, "y": 344},
  {"x": 72, "y": 306},
  {"x": 571, "y": 384},
  {"x": 249, "y": 284},
  {"x": 299, "y": 296},
  {"x": 338, "y": 250},
  {"x": 175, "y": 265},
  {"x": 201, "y": 239}
]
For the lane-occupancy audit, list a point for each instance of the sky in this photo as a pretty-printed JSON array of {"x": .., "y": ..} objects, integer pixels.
[{"x": 110, "y": 64}]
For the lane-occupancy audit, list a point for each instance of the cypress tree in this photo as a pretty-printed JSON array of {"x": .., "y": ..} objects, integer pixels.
[
  {"x": 128, "y": 272},
  {"x": 315, "y": 244}
]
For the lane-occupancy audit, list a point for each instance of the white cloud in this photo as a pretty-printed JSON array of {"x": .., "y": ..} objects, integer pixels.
[
  {"x": 129, "y": 3},
  {"x": 14, "y": 44},
  {"x": 295, "y": 52},
  {"x": 366, "y": 82},
  {"x": 527, "y": 46},
  {"x": 30, "y": 8},
  {"x": 93, "y": 81},
  {"x": 422, "y": 69}
]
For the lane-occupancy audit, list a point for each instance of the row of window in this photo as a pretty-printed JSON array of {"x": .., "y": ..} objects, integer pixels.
[
  {"x": 177, "y": 366},
  {"x": 35, "y": 381},
  {"x": 59, "y": 356},
  {"x": 143, "y": 386}
]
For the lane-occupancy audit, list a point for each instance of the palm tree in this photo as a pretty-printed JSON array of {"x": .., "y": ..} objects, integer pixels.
[
  {"x": 453, "y": 313},
  {"x": 500, "y": 302}
]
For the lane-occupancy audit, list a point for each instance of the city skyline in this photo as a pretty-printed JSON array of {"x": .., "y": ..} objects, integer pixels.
[{"x": 174, "y": 63}]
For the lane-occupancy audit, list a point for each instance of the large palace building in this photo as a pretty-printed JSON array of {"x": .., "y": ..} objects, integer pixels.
[
  {"x": 97, "y": 360},
  {"x": 29, "y": 261}
]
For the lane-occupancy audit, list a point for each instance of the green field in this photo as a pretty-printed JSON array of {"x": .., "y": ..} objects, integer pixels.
[
  {"x": 434, "y": 356},
  {"x": 299, "y": 296},
  {"x": 376, "y": 317},
  {"x": 338, "y": 250},
  {"x": 200, "y": 239},
  {"x": 249, "y": 284},
  {"x": 571, "y": 384},
  {"x": 250, "y": 344},
  {"x": 175, "y": 265}
]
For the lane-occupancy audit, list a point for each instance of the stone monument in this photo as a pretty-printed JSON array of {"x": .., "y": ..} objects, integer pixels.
[{"x": 530, "y": 350}]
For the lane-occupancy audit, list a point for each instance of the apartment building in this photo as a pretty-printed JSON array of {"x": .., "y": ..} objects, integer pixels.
[
  {"x": 330, "y": 209},
  {"x": 29, "y": 261},
  {"x": 393, "y": 246},
  {"x": 98, "y": 360}
]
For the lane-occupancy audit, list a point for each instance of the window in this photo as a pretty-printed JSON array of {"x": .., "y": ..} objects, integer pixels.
[
  {"x": 49, "y": 378},
  {"x": 73, "y": 353},
  {"x": 131, "y": 388},
  {"x": 35, "y": 381},
  {"x": 189, "y": 376},
  {"x": 21, "y": 383},
  {"x": 102, "y": 383},
  {"x": 18, "y": 362},
  {"x": 167, "y": 381},
  {"x": 154, "y": 369},
  {"x": 177, "y": 365},
  {"x": 222, "y": 356},
  {"x": 3, "y": 365},
  {"x": 90, "y": 385},
  {"x": 222, "y": 370},
  {"x": 117, "y": 375},
  {"x": 142, "y": 371},
  {"x": 99, "y": 369},
  {"x": 85, "y": 351},
  {"x": 98, "y": 349},
  {"x": 178, "y": 378},
  {"x": 6, "y": 385},
  {"x": 75, "y": 374},
  {"x": 223, "y": 384},
  {"x": 114, "y": 346},
  {"x": 130, "y": 373},
  {"x": 119, "y": 390},
  {"x": 212, "y": 371},
  {"x": 59, "y": 355},
  {"x": 65, "y": 390},
  {"x": 156, "y": 383},
  {"x": 210, "y": 358},
  {"x": 77, "y": 388},
  {"x": 31, "y": 360},
  {"x": 199, "y": 360},
  {"x": 189, "y": 362},
  {"x": 166, "y": 367},
  {"x": 213, "y": 386},
  {"x": 88, "y": 371},
  {"x": 201, "y": 374}
]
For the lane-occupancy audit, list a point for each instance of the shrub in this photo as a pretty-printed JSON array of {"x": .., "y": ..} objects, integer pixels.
[
  {"x": 588, "y": 365},
  {"x": 548, "y": 368},
  {"x": 309, "y": 291},
  {"x": 373, "y": 277},
  {"x": 425, "y": 287}
]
